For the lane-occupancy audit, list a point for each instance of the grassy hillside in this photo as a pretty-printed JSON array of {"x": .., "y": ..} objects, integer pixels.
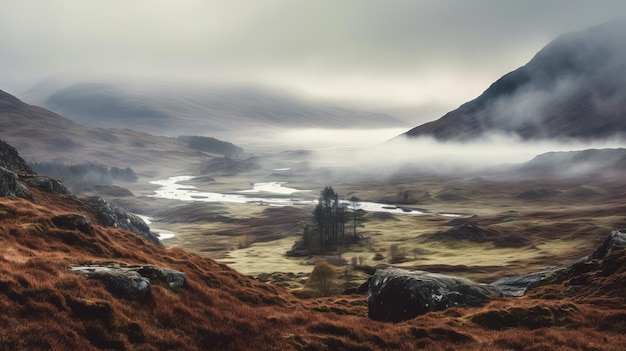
[{"x": 45, "y": 306}]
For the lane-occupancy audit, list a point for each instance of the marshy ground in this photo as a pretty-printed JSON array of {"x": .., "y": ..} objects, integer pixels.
[{"x": 535, "y": 224}]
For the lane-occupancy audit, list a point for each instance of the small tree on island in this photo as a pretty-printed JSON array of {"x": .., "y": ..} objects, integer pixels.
[{"x": 331, "y": 216}]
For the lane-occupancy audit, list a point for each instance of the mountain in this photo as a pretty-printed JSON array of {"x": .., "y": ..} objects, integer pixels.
[
  {"x": 70, "y": 280},
  {"x": 573, "y": 88},
  {"x": 177, "y": 110},
  {"x": 44, "y": 136},
  {"x": 577, "y": 164}
]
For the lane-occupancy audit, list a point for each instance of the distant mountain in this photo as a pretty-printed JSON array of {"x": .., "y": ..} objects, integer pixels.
[
  {"x": 605, "y": 163},
  {"x": 177, "y": 110},
  {"x": 43, "y": 136},
  {"x": 575, "y": 87}
]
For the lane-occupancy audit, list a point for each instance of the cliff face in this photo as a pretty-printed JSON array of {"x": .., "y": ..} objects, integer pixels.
[{"x": 573, "y": 88}]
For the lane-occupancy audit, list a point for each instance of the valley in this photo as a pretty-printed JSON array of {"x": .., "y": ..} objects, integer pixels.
[
  {"x": 219, "y": 202},
  {"x": 539, "y": 224}
]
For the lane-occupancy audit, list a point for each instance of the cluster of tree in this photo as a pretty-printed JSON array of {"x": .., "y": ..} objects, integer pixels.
[
  {"x": 210, "y": 144},
  {"x": 331, "y": 217},
  {"x": 80, "y": 177}
]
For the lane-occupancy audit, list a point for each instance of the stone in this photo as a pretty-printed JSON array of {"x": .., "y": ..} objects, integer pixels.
[
  {"x": 44, "y": 183},
  {"x": 133, "y": 282},
  {"x": 168, "y": 277},
  {"x": 396, "y": 294},
  {"x": 120, "y": 282},
  {"x": 114, "y": 216},
  {"x": 614, "y": 241},
  {"x": 10, "y": 185},
  {"x": 11, "y": 160},
  {"x": 518, "y": 285}
]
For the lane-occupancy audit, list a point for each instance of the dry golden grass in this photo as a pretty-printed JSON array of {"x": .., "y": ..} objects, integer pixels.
[{"x": 46, "y": 307}]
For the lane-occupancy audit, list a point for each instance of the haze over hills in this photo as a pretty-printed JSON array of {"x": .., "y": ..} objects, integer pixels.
[
  {"x": 174, "y": 110},
  {"x": 44, "y": 136},
  {"x": 572, "y": 88}
]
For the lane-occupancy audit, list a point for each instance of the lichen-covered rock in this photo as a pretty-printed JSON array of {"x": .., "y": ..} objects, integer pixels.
[
  {"x": 10, "y": 185},
  {"x": 112, "y": 215},
  {"x": 133, "y": 282},
  {"x": 168, "y": 277},
  {"x": 397, "y": 294},
  {"x": 121, "y": 282}
]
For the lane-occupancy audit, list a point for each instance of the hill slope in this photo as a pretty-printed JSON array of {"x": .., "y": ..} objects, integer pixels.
[
  {"x": 47, "y": 305},
  {"x": 176, "y": 110},
  {"x": 573, "y": 88},
  {"x": 43, "y": 136}
]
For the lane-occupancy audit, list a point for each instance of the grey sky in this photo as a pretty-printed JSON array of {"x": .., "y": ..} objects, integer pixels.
[{"x": 384, "y": 53}]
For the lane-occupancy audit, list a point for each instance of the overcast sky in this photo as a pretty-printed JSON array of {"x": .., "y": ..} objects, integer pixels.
[{"x": 388, "y": 54}]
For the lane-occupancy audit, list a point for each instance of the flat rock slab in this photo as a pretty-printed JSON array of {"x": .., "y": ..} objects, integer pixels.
[{"x": 132, "y": 282}]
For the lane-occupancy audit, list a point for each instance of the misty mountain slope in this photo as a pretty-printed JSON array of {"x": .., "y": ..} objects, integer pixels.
[
  {"x": 573, "y": 88},
  {"x": 44, "y": 136},
  {"x": 596, "y": 163},
  {"x": 171, "y": 110}
]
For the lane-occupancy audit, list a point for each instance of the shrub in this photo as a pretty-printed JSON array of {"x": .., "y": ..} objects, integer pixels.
[
  {"x": 322, "y": 278},
  {"x": 396, "y": 253}
]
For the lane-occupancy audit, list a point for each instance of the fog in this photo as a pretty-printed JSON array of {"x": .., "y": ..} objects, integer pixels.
[
  {"x": 402, "y": 155},
  {"x": 422, "y": 57}
]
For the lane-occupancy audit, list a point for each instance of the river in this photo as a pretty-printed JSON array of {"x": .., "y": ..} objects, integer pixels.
[{"x": 172, "y": 189}]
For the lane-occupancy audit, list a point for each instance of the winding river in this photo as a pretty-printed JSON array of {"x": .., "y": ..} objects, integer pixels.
[{"x": 285, "y": 196}]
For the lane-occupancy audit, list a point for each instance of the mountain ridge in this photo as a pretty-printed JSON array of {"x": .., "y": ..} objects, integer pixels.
[
  {"x": 571, "y": 89},
  {"x": 168, "y": 109},
  {"x": 44, "y": 136}
]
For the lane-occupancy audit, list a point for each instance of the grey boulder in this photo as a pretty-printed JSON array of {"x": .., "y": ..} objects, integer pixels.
[{"x": 396, "y": 294}]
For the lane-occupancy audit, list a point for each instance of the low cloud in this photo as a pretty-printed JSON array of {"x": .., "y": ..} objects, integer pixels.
[{"x": 427, "y": 155}]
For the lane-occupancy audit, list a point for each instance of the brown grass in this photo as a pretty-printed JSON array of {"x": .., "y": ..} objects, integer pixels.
[{"x": 46, "y": 307}]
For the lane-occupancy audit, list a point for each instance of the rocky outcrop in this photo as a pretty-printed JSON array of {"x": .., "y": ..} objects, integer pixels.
[
  {"x": 397, "y": 294},
  {"x": 11, "y": 160},
  {"x": 14, "y": 170},
  {"x": 114, "y": 216},
  {"x": 167, "y": 277},
  {"x": 615, "y": 241},
  {"x": 518, "y": 285},
  {"x": 133, "y": 282},
  {"x": 44, "y": 183},
  {"x": 122, "y": 283},
  {"x": 10, "y": 185}
]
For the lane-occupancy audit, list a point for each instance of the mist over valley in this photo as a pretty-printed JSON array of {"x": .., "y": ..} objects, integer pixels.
[{"x": 201, "y": 191}]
